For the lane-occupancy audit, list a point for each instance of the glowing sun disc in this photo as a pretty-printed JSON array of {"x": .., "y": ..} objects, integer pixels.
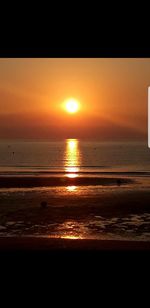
[{"x": 72, "y": 105}]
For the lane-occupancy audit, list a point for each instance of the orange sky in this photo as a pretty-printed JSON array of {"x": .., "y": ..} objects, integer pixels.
[{"x": 112, "y": 95}]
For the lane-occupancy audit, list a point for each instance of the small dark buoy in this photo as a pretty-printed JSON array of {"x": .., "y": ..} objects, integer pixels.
[
  {"x": 118, "y": 182},
  {"x": 13, "y": 153},
  {"x": 43, "y": 204}
]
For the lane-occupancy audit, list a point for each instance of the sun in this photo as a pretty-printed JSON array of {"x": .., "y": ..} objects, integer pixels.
[{"x": 72, "y": 105}]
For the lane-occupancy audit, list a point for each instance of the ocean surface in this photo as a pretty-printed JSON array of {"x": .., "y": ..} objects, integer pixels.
[
  {"x": 87, "y": 216},
  {"x": 74, "y": 156}
]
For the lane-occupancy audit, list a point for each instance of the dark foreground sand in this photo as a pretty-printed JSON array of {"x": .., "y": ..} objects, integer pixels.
[
  {"x": 33, "y": 181},
  {"x": 47, "y": 244},
  {"x": 23, "y": 220},
  {"x": 21, "y": 215}
]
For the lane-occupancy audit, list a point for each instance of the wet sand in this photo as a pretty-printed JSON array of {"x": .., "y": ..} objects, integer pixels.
[
  {"x": 30, "y": 181},
  {"x": 122, "y": 209},
  {"x": 111, "y": 211},
  {"x": 46, "y": 244}
]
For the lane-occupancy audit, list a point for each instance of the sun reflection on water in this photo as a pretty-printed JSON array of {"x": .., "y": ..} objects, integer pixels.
[
  {"x": 72, "y": 158},
  {"x": 70, "y": 230},
  {"x": 72, "y": 175},
  {"x": 71, "y": 188},
  {"x": 71, "y": 237}
]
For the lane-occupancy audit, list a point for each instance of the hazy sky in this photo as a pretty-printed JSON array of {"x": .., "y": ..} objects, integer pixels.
[{"x": 112, "y": 95}]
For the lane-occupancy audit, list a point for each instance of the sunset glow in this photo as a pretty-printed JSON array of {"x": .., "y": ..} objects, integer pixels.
[{"x": 100, "y": 99}]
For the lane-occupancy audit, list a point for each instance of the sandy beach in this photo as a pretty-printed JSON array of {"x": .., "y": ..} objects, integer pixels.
[
  {"x": 107, "y": 211},
  {"x": 46, "y": 244},
  {"x": 34, "y": 181}
]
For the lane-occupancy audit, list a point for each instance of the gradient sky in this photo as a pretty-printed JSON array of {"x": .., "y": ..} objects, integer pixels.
[{"x": 112, "y": 94}]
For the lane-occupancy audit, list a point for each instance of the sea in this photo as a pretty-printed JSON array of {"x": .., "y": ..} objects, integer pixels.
[{"x": 33, "y": 157}]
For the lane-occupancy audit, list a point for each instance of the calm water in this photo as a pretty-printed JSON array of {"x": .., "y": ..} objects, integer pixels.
[{"x": 73, "y": 156}]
